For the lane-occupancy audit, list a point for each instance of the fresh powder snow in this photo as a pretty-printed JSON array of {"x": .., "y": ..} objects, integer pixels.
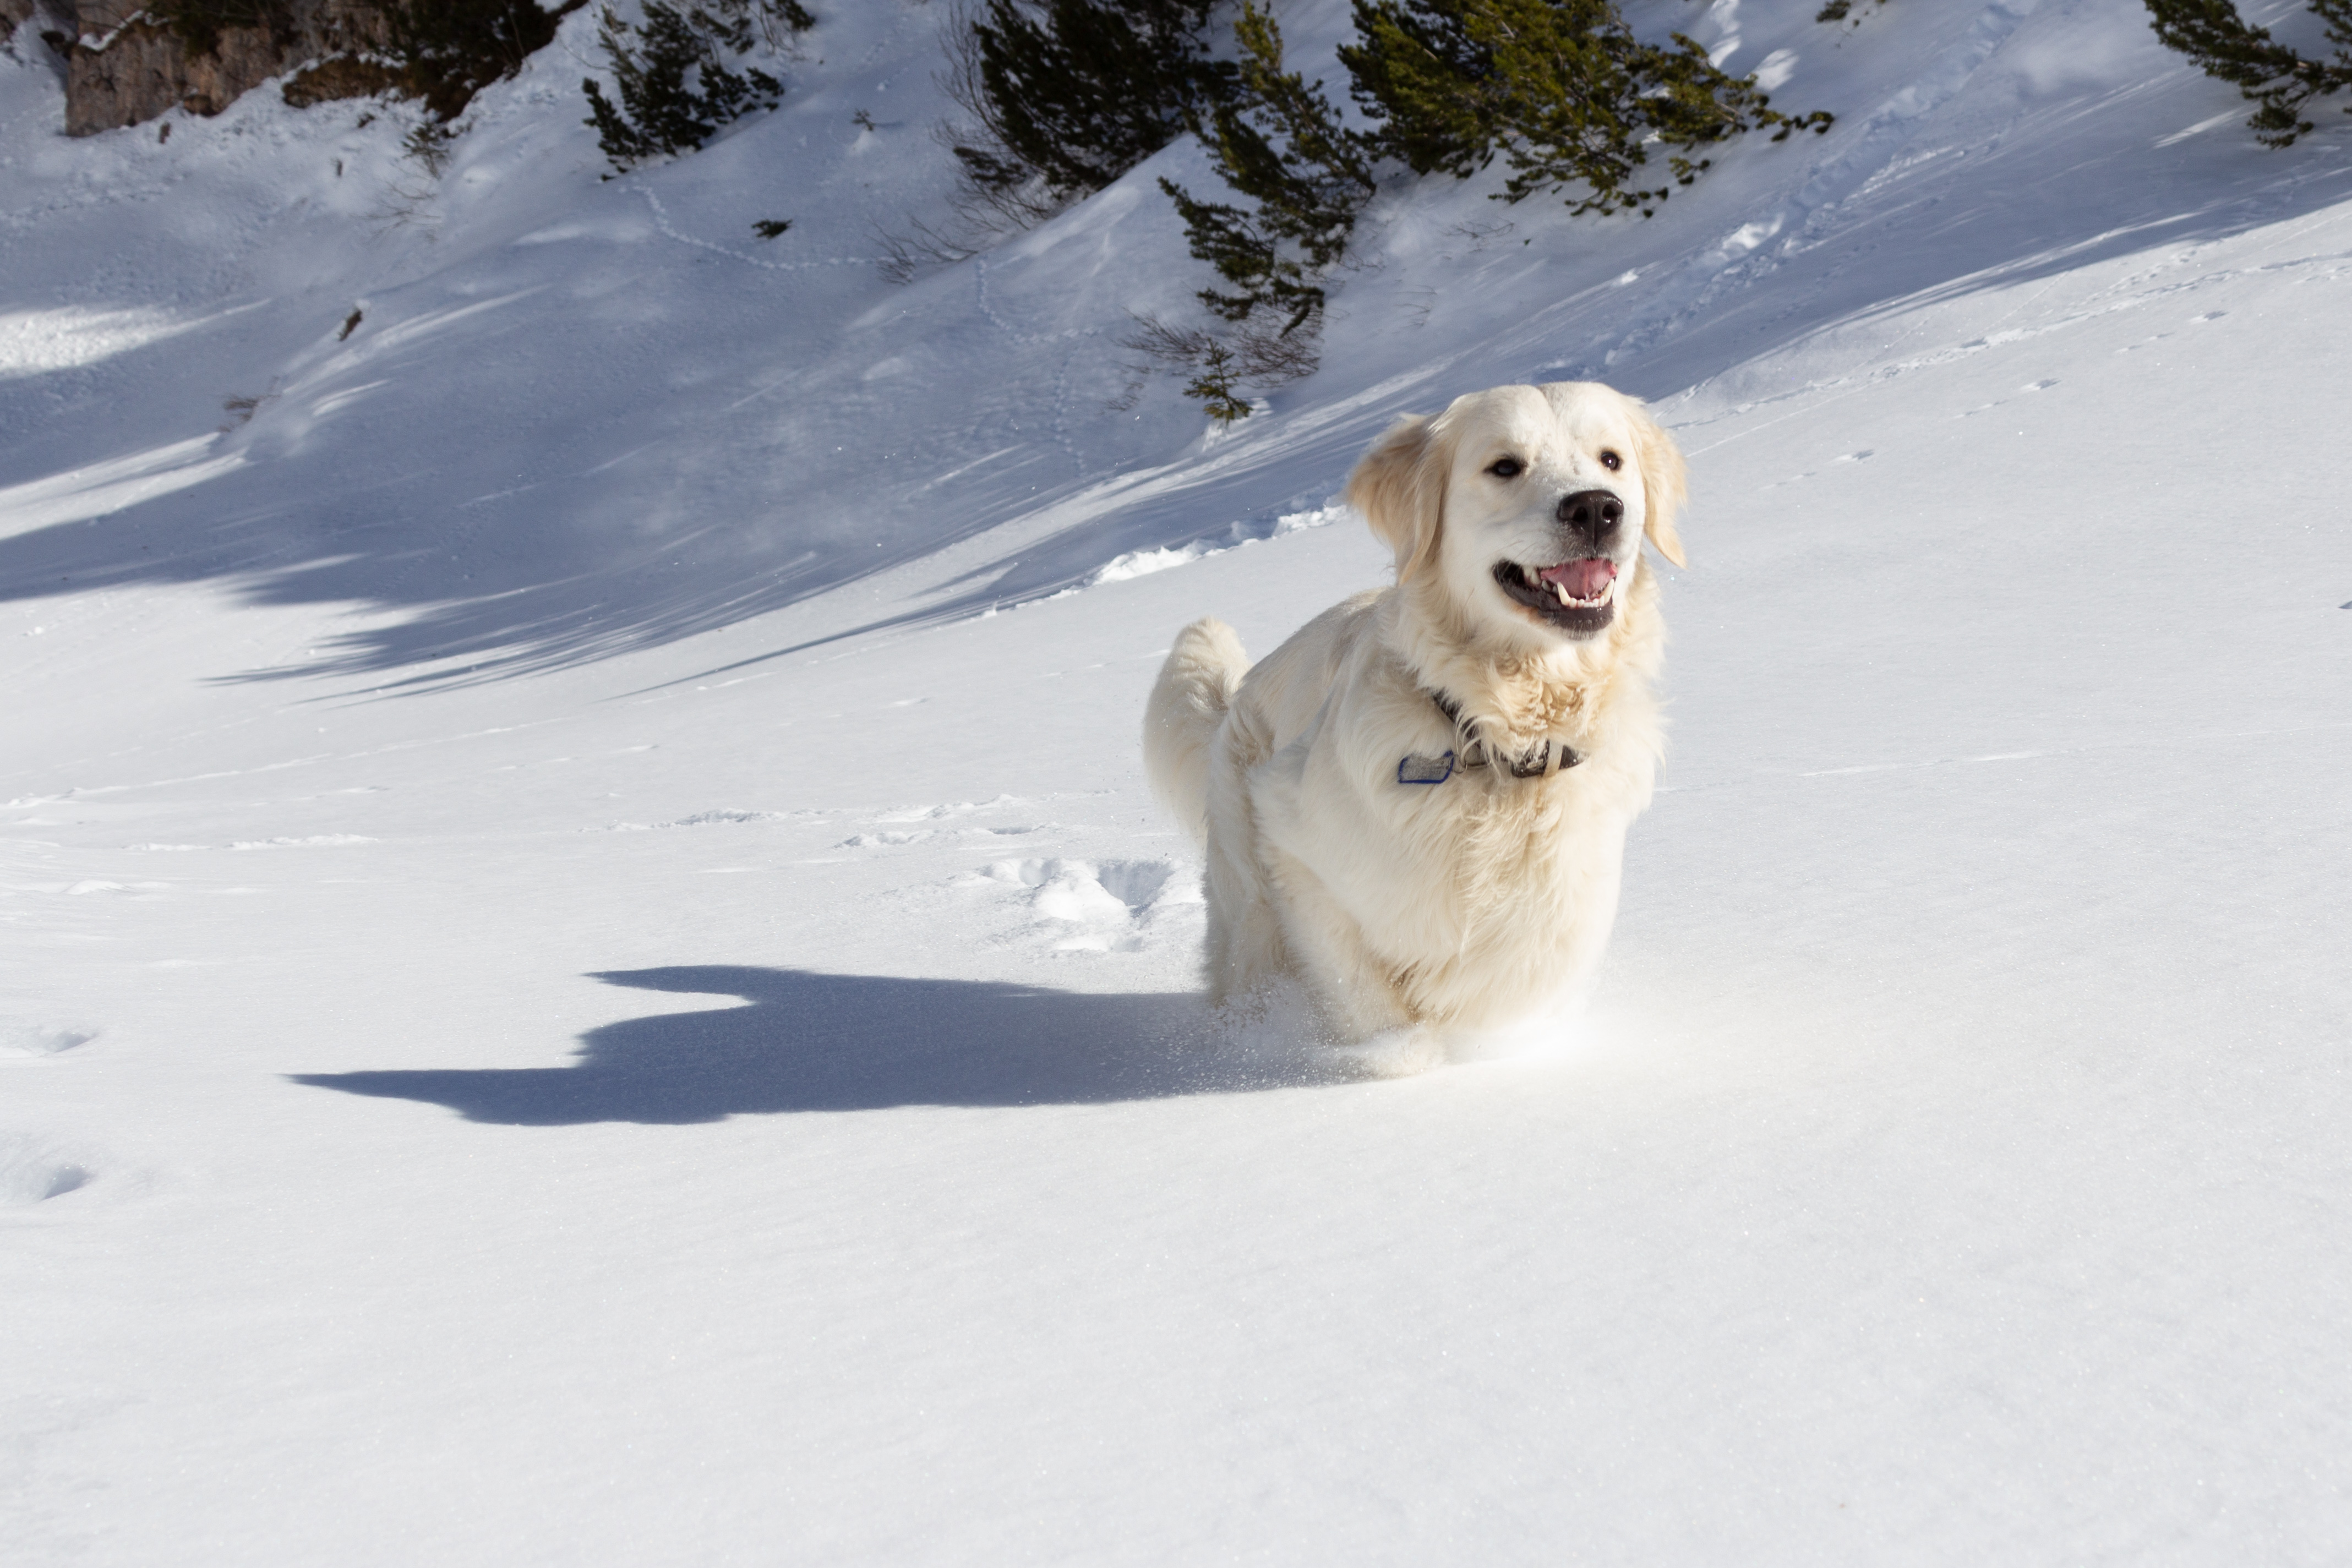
[{"x": 587, "y": 973}]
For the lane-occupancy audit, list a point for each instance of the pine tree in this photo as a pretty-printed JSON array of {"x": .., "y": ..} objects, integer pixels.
[
  {"x": 1417, "y": 70},
  {"x": 1562, "y": 90},
  {"x": 1070, "y": 94},
  {"x": 2265, "y": 71},
  {"x": 670, "y": 70},
  {"x": 1278, "y": 141}
]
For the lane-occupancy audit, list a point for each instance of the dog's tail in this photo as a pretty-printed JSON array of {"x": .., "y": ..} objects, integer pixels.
[{"x": 1188, "y": 702}]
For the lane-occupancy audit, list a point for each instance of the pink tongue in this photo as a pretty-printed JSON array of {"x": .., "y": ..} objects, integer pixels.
[{"x": 1582, "y": 579}]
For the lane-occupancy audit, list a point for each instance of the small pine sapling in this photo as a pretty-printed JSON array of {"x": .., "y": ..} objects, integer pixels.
[
  {"x": 770, "y": 229},
  {"x": 429, "y": 144},
  {"x": 1254, "y": 352},
  {"x": 1217, "y": 385},
  {"x": 2264, "y": 71}
]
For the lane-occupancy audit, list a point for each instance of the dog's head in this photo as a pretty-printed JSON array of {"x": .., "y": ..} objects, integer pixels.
[{"x": 1525, "y": 507}]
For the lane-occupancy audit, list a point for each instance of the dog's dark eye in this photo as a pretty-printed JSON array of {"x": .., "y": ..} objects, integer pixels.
[
  {"x": 1612, "y": 462},
  {"x": 1506, "y": 467}
]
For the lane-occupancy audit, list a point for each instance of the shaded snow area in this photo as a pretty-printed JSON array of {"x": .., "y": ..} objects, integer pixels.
[{"x": 587, "y": 974}]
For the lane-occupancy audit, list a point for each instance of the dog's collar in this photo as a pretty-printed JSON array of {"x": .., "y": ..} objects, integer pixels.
[{"x": 1545, "y": 759}]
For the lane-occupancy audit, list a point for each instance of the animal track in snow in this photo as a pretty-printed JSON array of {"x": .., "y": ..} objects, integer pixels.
[
  {"x": 2042, "y": 385},
  {"x": 33, "y": 1172},
  {"x": 899, "y": 826},
  {"x": 885, "y": 839},
  {"x": 893, "y": 837},
  {"x": 934, "y": 813},
  {"x": 35, "y": 1183},
  {"x": 724, "y": 816},
  {"x": 314, "y": 841},
  {"x": 32, "y": 1037}
]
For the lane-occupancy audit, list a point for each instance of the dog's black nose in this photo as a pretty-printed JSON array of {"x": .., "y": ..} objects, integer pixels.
[{"x": 1595, "y": 514}]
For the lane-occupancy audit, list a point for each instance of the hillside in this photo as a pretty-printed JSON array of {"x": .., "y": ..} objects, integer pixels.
[{"x": 589, "y": 973}]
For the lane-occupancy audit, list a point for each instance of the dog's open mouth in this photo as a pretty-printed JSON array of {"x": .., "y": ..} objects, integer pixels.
[{"x": 1578, "y": 597}]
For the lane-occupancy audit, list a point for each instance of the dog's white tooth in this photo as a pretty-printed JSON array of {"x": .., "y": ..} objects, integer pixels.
[{"x": 1561, "y": 589}]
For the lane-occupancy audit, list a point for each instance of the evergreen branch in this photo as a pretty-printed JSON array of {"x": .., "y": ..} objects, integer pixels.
[{"x": 2266, "y": 72}]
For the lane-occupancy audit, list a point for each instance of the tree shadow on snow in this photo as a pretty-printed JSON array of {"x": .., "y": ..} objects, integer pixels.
[{"x": 809, "y": 1041}]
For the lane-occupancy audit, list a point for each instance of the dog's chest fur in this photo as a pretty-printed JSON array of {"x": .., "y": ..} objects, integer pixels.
[{"x": 1482, "y": 895}]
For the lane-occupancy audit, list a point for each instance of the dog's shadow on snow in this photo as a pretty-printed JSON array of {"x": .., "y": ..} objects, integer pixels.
[{"x": 808, "y": 1042}]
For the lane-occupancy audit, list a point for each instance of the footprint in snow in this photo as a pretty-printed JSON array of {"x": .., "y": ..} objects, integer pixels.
[
  {"x": 33, "y": 1172},
  {"x": 894, "y": 838},
  {"x": 33, "y": 1037},
  {"x": 885, "y": 841},
  {"x": 726, "y": 816},
  {"x": 1105, "y": 906},
  {"x": 934, "y": 813}
]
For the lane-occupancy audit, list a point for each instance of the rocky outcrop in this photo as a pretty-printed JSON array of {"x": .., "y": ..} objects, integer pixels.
[{"x": 127, "y": 64}]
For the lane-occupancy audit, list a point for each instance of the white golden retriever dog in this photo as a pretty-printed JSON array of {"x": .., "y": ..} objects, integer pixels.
[{"x": 1417, "y": 805}]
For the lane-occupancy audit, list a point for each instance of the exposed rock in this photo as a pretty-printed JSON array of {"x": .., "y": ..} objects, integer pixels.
[
  {"x": 340, "y": 76},
  {"x": 130, "y": 65}
]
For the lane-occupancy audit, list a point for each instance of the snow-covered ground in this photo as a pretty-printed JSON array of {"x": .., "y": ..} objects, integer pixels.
[{"x": 587, "y": 975}]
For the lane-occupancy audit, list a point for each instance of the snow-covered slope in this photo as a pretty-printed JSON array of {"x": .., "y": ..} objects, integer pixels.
[{"x": 571, "y": 995}]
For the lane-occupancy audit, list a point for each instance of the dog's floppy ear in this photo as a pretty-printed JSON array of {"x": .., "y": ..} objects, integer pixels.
[
  {"x": 1400, "y": 486},
  {"x": 1663, "y": 482}
]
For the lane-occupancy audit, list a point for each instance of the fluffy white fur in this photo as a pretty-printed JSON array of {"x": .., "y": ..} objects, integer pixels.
[{"x": 1423, "y": 916}]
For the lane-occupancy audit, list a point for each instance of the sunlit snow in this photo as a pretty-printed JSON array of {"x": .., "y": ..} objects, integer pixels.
[{"x": 587, "y": 973}]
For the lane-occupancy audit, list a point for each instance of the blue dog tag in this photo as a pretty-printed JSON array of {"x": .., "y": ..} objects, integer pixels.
[{"x": 1426, "y": 769}]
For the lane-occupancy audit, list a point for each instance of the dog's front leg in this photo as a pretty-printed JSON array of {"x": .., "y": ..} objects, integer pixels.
[{"x": 1353, "y": 986}]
